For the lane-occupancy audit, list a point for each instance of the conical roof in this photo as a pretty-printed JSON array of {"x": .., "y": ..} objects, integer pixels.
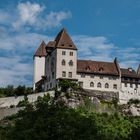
[
  {"x": 41, "y": 51},
  {"x": 64, "y": 41}
]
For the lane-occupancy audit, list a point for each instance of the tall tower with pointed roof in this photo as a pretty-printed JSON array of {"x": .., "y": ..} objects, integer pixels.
[
  {"x": 39, "y": 63},
  {"x": 66, "y": 56},
  {"x": 61, "y": 59}
]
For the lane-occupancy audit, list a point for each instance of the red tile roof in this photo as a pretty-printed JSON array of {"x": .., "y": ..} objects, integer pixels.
[
  {"x": 41, "y": 51},
  {"x": 97, "y": 67},
  {"x": 64, "y": 41},
  {"x": 129, "y": 73}
]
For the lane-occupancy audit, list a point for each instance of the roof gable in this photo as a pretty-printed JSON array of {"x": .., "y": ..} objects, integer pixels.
[
  {"x": 41, "y": 51},
  {"x": 64, "y": 41}
]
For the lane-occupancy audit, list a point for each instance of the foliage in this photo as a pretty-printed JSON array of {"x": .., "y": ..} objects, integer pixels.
[
  {"x": 66, "y": 85},
  {"x": 133, "y": 101},
  {"x": 23, "y": 102},
  {"x": 50, "y": 119},
  {"x": 11, "y": 91}
]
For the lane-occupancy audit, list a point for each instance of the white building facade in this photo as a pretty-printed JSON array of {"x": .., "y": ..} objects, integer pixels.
[{"x": 58, "y": 60}]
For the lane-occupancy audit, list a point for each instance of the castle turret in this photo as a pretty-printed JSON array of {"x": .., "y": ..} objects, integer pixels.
[{"x": 39, "y": 63}]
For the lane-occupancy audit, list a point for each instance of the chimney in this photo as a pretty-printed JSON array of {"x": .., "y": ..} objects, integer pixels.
[
  {"x": 117, "y": 65},
  {"x": 138, "y": 71}
]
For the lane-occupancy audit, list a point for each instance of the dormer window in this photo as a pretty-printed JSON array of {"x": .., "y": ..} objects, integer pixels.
[
  {"x": 70, "y": 45},
  {"x": 62, "y": 44},
  {"x": 130, "y": 69},
  {"x": 101, "y": 69},
  {"x": 87, "y": 68}
]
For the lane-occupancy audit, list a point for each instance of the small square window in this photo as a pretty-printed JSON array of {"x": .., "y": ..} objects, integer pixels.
[
  {"x": 101, "y": 77},
  {"x": 115, "y": 86},
  {"x": 63, "y": 53},
  {"x": 81, "y": 84},
  {"x": 50, "y": 85},
  {"x": 131, "y": 85},
  {"x": 70, "y": 74},
  {"x": 125, "y": 84},
  {"x": 71, "y": 53},
  {"x": 82, "y": 75},
  {"x": 63, "y": 74}
]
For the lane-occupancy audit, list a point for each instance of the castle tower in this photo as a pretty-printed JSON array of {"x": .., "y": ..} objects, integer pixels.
[
  {"x": 39, "y": 63},
  {"x": 61, "y": 60},
  {"x": 66, "y": 66}
]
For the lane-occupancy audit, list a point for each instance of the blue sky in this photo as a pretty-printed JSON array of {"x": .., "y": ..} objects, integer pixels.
[{"x": 101, "y": 29}]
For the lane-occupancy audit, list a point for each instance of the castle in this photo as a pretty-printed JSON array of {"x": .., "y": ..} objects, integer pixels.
[{"x": 58, "y": 60}]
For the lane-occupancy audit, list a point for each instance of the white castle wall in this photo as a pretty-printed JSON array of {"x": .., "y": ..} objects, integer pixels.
[
  {"x": 6, "y": 102},
  {"x": 111, "y": 80},
  {"x": 39, "y": 69},
  {"x": 127, "y": 93},
  {"x": 67, "y": 68}
]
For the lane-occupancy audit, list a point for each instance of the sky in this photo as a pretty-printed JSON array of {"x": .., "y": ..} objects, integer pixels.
[{"x": 101, "y": 30}]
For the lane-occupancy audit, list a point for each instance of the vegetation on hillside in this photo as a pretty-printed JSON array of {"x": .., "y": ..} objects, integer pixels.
[
  {"x": 50, "y": 118},
  {"x": 10, "y": 90}
]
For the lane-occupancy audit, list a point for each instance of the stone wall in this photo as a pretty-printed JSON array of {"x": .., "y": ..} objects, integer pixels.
[
  {"x": 4, "y": 112},
  {"x": 8, "y": 101}
]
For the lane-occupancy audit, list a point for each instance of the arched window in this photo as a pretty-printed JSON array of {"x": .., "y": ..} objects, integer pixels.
[
  {"x": 106, "y": 85},
  {"x": 99, "y": 85},
  {"x": 63, "y": 62},
  {"x": 71, "y": 63},
  {"x": 91, "y": 84}
]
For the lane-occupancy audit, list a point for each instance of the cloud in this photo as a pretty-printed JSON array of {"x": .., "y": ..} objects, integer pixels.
[
  {"x": 100, "y": 48},
  {"x": 17, "y": 49},
  {"x": 54, "y": 19},
  {"x": 28, "y": 14},
  {"x": 32, "y": 15},
  {"x": 16, "y": 58}
]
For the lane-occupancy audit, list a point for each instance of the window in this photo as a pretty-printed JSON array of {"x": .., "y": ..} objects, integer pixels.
[
  {"x": 87, "y": 68},
  {"x": 101, "y": 69},
  {"x": 81, "y": 84},
  {"x": 52, "y": 74},
  {"x": 125, "y": 84},
  {"x": 71, "y": 63},
  {"x": 99, "y": 85},
  {"x": 101, "y": 77},
  {"x": 63, "y": 53},
  {"x": 91, "y": 84},
  {"x": 106, "y": 85},
  {"x": 115, "y": 86},
  {"x": 50, "y": 85},
  {"x": 71, "y": 53},
  {"x": 63, "y": 74},
  {"x": 82, "y": 75},
  {"x": 131, "y": 85},
  {"x": 70, "y": 74},
  {"x": 63, "y": 62},
  {"x": 91, "y": 76}
]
